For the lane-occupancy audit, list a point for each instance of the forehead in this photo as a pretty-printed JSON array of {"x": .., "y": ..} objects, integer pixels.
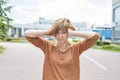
[{"x": 62, "y": 29}]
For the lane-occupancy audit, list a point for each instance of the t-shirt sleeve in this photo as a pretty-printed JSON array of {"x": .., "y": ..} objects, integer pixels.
[
  {"x": 85, "y": 44},
  {"x": 40, "y": 43}
]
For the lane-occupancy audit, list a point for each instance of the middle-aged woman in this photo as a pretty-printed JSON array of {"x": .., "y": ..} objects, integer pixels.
[{"x": 61, "y": 59}]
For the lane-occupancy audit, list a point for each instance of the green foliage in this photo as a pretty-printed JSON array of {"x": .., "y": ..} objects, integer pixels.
[
  {"x": 1, "y": 49},
  {"x": 12, "y": 39},
  {"x": 100, "y": 43},
  {"x": 4, "y": 19},
  {"x": 75, "y": 40},
  {"x": 18, "y": 40},
  {"x": 109, "y": 47}
]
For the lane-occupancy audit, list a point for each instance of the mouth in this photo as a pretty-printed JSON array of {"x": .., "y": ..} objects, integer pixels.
[{"x": 60, "y": 40}]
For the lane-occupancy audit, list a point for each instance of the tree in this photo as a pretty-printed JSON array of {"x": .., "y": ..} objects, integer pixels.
[{"x": 4, "y": 19}]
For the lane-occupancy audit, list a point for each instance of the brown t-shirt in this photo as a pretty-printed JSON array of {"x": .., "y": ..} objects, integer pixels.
[{"x": 62, "y": 65}]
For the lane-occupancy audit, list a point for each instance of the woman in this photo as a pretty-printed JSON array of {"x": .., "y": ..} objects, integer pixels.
[{"x": 61, "y": 59}]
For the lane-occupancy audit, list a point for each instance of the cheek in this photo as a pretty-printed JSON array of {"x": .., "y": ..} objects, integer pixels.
[{"x": 65, "y": 37}]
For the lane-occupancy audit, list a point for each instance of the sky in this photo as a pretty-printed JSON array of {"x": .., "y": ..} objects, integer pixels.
[{"x": 91, "y": 11}]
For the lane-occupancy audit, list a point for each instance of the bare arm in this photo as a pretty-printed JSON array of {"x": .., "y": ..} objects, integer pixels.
[
  {"x": 86, "y": 35},
  {"x": 35, "y": 33}
]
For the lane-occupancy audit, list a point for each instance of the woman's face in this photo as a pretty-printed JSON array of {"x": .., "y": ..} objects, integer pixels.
[{"x": 61, "y": 36}]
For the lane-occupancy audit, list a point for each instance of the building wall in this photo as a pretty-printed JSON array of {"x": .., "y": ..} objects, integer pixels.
[
  {"x": 116, "y": 20},
  {"x": 42, "y": 24},
  {"x": 115, "y": 1}
]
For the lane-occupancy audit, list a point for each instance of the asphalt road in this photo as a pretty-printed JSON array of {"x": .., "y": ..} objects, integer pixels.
[{"x": 23, "y": 61}]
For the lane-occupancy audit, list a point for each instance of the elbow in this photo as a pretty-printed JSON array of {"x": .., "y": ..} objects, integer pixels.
[
  {"x": 26, "y": 33},
  {"x": 93, "y": 35},
  {"x": 97, "y": 34}
]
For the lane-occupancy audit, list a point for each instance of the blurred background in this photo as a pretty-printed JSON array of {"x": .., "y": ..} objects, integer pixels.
[
  {"x": 101, "y": 16},
  {"x": 19, "y": 60}
]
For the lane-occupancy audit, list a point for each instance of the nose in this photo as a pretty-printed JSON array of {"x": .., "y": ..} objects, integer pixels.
[{"x": 60, "y": 35}]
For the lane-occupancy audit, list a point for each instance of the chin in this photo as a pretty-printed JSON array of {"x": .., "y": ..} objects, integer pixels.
[{"x": 61, "y": 42}]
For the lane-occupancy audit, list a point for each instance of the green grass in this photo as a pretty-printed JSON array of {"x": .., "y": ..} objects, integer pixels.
[
  {"x": 1, "y": 49},
  {"x": 104, "y": 46},
  {"x": 112, "y": 47},
  {"x": 17, "y": 40}
]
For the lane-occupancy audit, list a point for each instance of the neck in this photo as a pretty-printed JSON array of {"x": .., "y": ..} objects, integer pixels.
[{"x": 63, "y": 47}]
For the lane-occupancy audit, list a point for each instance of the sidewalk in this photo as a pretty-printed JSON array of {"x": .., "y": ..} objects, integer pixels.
[{"x": 20, "y": 61}]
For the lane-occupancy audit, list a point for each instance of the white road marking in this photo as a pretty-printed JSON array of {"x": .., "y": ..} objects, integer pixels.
[{"x": 100, "y": 65}]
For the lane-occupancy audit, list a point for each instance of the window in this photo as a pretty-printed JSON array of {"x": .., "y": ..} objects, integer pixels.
[{"x": 117, "y": 14}]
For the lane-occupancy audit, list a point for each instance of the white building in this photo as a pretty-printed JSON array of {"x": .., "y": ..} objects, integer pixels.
[
  {"x": 116, "y": 20},
  {"x": 19, "y": 29},
  {"x": 43, "y": 24}
]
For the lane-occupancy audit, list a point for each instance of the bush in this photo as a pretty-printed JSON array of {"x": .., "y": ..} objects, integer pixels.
[
  {"x": 12, "y": 39},
  {"x": 100, "y": 43},
  {"x": 107, "y": 47},
  {"x": 111, "y": 47},
  {"x": 1, "y": 49}
]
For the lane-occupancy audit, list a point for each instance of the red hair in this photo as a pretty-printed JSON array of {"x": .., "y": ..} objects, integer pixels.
[{"x": 59, "y": 24}]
